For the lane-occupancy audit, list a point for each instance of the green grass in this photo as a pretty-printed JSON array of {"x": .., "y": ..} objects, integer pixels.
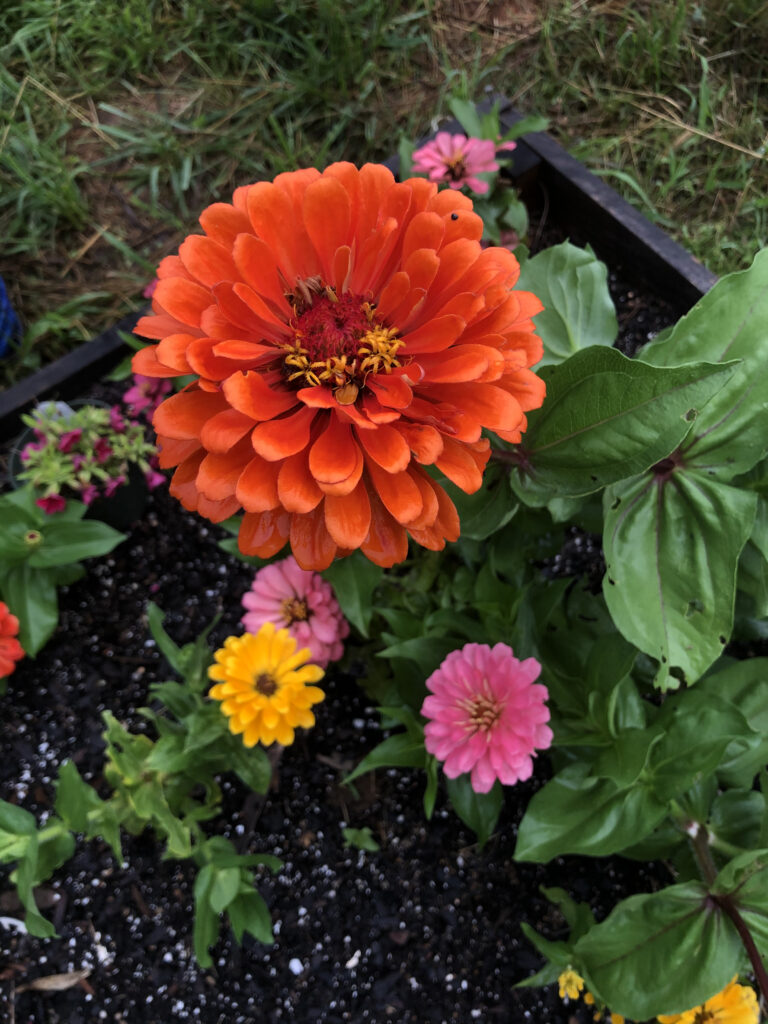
[{"x": 120, "y": 121}]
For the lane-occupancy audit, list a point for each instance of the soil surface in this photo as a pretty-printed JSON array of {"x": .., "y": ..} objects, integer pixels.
[{"x": 424, "y": 930}]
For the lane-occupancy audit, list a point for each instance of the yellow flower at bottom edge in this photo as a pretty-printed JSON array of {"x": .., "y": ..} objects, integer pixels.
[
  {"x": 570, "y": 984},
  {"x": 736, "y": 1004},
  {"x": 262, "y": 682}
]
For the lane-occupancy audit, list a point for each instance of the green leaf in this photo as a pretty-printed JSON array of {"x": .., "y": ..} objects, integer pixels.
[
  {"x": 249, "y": 913},
  {"x": 578, "y": 916},
  {"x": 16, "y": 821},
  {"x": 31, "y": 593},
  {"x": 427, "y": 651},
  {"x": 354, "y": 580},
  {"x": 24, "y": 878},
  {"x": 478, "y": 811},
  {"x": 578, "y": 310},
  {"x": 579, "y": 813},
  {"x": 736, "y": 817},
  {"x": 466, "y": 114},
  {"x": 660, "y": 953},
  {"x": 430, "y": 793},
  {"x": 607, "y": 417},
  {"x": 398, "y": 751},
  {"x": 558, "y": 954},
  {"x": 206, "y": 927},
  {"x": 487, "y": 510},
  {"x": 224, "y": 888},
  {"x": 75, "y": 798},
  {"x": 672, "y": 549},
  {"x": 251, "y": 765},
  {"x": 360, "y": 838},
  {"x": 64, "y": 543},
  {"x": 170, "y": 651},
  {"x": 744, "y": 684}
]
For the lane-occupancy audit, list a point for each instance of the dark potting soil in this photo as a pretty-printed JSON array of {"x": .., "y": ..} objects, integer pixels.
[{"x": 424, "y": 930}]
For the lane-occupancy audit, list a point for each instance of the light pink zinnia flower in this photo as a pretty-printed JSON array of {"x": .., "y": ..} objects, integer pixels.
[
  {"x": 486, "y": 715},
  {"x": 457, "y": 160},
  {"x": 301, "y": 601}
]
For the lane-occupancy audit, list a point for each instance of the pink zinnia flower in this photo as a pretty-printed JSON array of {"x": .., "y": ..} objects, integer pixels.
[
  {"x": 69, "y": 439},
  {"x": 52, "y": 503},
  {"x": 301, "y": 601},
  {"x": 102, "y": 449},
  {"x": 149, "y": 291},
  {"x": 457, "y": 160},
  {"x": 486, "y": 715}
]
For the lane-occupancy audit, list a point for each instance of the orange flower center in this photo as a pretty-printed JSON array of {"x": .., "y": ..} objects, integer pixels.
[
  {"x": 339, "y": 341},
  {"x": 265, "y": 685},
  {"x": 483, "y": 713},
  {"x": 295, "y": 610}
]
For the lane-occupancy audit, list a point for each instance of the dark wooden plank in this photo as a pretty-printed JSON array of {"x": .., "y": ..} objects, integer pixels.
[
  {"x": 583, "y": 203},
  {"x": 66, "y": 377}
]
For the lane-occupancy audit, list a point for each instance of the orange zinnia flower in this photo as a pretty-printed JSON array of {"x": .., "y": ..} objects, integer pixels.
[
  {"x": 11, "y": 650},
  {"x": 345, "y": 331}
]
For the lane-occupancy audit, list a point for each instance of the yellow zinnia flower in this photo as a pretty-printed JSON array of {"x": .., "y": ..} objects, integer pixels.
[
  {"x": 736, "y": 1004},
  {"x": 570, "y": 984},
  {"x": 262, "y": 684}
]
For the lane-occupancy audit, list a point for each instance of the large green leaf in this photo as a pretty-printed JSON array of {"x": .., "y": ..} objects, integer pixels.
[
  {"x": 744, "y": 684},
  {"x": 662, "y": 952},
  {"x": 729, "y": 322},
  {"x": 579, "y": 813},
  {"x": 606, "y": 418},
  {"x": 31, "y": 594},
  {"x": 672, "y": 545},
  {"x": 572, "y": 284},
  {"x": 67, "y": 542}
]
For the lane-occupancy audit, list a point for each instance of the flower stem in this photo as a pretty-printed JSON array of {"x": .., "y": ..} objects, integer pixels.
[{"x": 708, "y": 868}]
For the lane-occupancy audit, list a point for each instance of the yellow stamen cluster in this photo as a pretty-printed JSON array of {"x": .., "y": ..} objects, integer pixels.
[{"x": 262, "y": 682}]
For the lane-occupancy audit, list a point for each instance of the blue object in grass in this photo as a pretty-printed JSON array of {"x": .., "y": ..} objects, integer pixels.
[{"x": 10, "y": 328}]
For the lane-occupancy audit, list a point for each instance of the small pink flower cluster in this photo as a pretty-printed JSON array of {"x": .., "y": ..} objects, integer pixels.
[
  {"x": 302, "y": 602},
  {"x": 146, "y": 394},
  {"x": 457, "y": 160},
  {"x": 83, "y": 453}
]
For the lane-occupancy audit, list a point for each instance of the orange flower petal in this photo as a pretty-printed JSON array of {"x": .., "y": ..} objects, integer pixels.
[
  {"x": 274, "y": 219},
  {"x": 391, "y": 390},
  {"x": 348, "y": 517},
  {"x": 428, "y": 489},
  {"x": 396, "y": 289},
  {"x": 445, "y": 528},
  {"x": 161, "y": 325},
  {"x": 327, "y": 217},
  {"x": 286, "y": 436},
  {"x": 145, "y": 362},
  {"x": 312, "y": 545},
  {"x": 425, "y": 231},
  {"x": 462, "y": 363},
  {"x": 183, "y": 416},
  {"x": 334, "y": 455},
  {"x": 424, "y": 441},
  {"x": 172, "y": 452},
  {"x": 397, "y": 491},
  {"x": 387, "y": 447},
  {"x": 222, "y": 431},
  {"x": 490, "y": 404},
  {"x": 183, "y": 300},
  {"x": 250, "y": 394},
  {"x": 387, "y": 541},
  {"x": 223, "y": 223},
  {"x": 257, "y": 485},
  {"x": 240, "y": 313},
  {"x": 219, "y": 472},
  {"x": 435, "y": 336},
  {"x": 258, "y": 268},
  {"x": 208, "y": 261},
  {"x": 297, "y": 490},
  {"x": 461, "y": 465},
  {"x": 182, "y": 485},
  {"x": 217, "y": 511},
  {"x": 172, "y": 351},
  {"x": 263, "y": 533}
]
